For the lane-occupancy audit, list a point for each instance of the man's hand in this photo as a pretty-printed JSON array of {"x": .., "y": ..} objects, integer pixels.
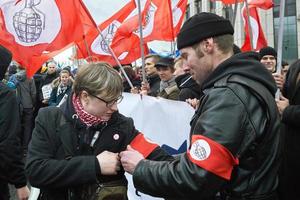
[
  {"x": 279, "y": 79},
  {"x": 109, "y": 163},
  {"x": 23, "y": 193},
  {"x": 145, "y": 86},
  {"x": 282, "y": 103},
  {"x": 130, "y": 158},
  {"x": 134, "y": 90},
  {"x": 193, "y": 102}
]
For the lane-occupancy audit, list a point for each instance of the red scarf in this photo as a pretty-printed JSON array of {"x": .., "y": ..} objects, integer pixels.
[{"x": 85, "y": 117}]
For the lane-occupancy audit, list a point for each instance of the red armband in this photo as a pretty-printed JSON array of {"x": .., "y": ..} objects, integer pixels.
[
  {"x": 211, "y": 156},
  {"x": 143, "y": 145}
]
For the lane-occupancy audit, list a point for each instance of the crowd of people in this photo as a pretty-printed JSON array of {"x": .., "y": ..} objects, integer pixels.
[{"x": 62, "y": 132}]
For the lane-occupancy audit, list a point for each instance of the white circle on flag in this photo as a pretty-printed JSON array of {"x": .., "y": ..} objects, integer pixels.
[
  {"x": 200, "y": 150},
  {"x": 31, "y": 22}
]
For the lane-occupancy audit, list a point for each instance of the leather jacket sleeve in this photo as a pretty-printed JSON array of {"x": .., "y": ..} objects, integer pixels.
[{"x": 222, "y": 118}]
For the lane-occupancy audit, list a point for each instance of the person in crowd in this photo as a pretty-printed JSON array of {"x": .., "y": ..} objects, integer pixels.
[
  {"x": 26, "y": 96},
  {"x": 189, "y": 89},
  {"x": 151, "y": 87},
  {"x": 133, "y": 77},
  {"x": 234, "y": 139},
  {"x": 62, "y": 87},
  {"x": 165, "y": 69},
  {"x": 268, "y": 57},
  {"x": 38, "y": 77},
  {"x": 285, "y": 67},
  {"x": 11, "y": 165},
  {"x": 46, "y": 88},
  {"x": 74, "y": 151},
  {"x": 178, "y": 66},
  {"x": 289, "y": 108}
]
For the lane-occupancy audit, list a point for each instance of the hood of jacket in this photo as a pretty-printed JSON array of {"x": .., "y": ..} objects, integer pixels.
[
  {"x": 21, "y": 75},
  {"x": 243, "y": 64},
  {"x": 5, "y": 59}
]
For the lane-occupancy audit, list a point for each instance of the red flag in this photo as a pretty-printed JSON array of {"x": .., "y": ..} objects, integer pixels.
[
  {"x": 211, "y": 156},
  {"x": 230, "y": 1},
  {"x": 178, "y": 13},
  {"x": 157, "y": 23},
  {"x": 259, "y": 40},
  {"x": 28, "y": 28},
  {"x": 263, "y": 4},
  {"x": 93, "y": 44}
]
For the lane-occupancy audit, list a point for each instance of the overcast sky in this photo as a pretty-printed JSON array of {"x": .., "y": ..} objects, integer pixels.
[{"x": 103, "y": 9}]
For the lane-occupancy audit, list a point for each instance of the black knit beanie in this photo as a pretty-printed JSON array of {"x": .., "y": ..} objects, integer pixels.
[
  {"x": 268, "y": 51},
  {"x": 5, "y": 59},
  {"x": 201, "y": 26}
]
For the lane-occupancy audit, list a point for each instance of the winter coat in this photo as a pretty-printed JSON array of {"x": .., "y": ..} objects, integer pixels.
[
  {"x": 171, "y": 92},
  {"x": 26, "y": 90},
  {"x": 56, "y": 99},
  {"x": 235, "y": 140},
  {"x": 188, "y": 87},
  {"x": 62, "y": 152},
  {"x": 290, "y": 118},
  {"x": 11, "y": 154},
  {"x": 154, "y": 82}
]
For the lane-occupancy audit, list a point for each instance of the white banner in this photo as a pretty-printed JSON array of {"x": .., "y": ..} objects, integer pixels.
[{"x": 165, "y": 122}]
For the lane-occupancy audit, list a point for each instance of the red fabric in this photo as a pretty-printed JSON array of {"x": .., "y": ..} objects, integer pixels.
[
  {"x": 263, "y": 4},
  {"x": 157, "y": 25},
  {"x": 211, "y": 156},
  {"x": 84, "y": 116},
  {"x": 143, "y": 145},
  {"x": 229, "y": 1},
  {"x": 178, "y": 13},
  {"x": 259, "y": 40},
  {"x": 54, "y": 21},
  {"x": 94, "y": 46}
]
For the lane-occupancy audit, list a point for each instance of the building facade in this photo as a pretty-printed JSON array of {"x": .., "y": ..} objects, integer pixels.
[{"x": 269, "y": 21}]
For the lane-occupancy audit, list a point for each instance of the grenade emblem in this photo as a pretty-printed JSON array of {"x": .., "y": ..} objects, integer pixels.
[
  {"x": 149, "y": 14},
  {"x": 108, "y": 38},
  {"x": 200, "y": 152},
  {"x": 29, "y": 22}
]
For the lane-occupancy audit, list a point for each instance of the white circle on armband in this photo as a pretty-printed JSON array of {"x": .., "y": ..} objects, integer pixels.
[{"x": 200, "y": 150}]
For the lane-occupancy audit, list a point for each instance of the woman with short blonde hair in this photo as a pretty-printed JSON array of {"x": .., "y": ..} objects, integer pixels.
[{"x": 74, "y": 152}]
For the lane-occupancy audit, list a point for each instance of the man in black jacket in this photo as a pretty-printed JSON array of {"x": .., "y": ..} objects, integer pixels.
[
  {"x": 289, "y": 108},
  {"x": 234, "y": 139},
  {"x": 11, "y": 165}
]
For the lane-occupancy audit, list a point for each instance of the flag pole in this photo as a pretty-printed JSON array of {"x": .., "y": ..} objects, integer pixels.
[
  {"x": 87, "y": 48},
  {"x": 141, "y": 41},
  {"x": 76, "y": 61},
  {"x": 234, "y": 13},
  {"x": 280, "y": 41},
  {"x": 249, "y": 25},
  {"x": 110, "y": 49}
]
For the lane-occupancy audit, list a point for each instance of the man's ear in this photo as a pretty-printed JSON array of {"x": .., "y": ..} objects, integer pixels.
[{"x": 208, "y": 45}]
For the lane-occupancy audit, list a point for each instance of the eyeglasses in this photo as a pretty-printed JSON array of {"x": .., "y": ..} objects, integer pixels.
[{"x": 109, "y": 103}]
